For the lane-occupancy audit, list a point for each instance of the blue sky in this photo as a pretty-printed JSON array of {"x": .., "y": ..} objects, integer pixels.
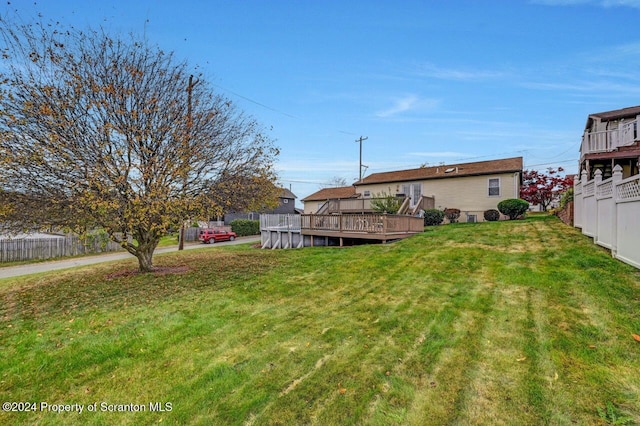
[{"x": 425, "y": 81}]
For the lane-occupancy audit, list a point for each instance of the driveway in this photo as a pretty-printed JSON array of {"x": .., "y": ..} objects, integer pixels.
[{"x": 34, "y": 268}]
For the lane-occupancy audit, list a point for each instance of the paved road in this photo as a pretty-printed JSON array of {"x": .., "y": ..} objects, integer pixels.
[{"x": 34, "y": 268}]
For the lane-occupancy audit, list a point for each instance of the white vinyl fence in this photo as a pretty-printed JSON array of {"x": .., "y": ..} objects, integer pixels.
[
  {"x": 609, "y": 212},
  {"x": 281, "y": 222},
  {"x": 22, "y": 249}
]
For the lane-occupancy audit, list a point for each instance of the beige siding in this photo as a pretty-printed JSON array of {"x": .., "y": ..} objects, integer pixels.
[
  {"x": 470, "y": 194},
  {"x": 310, "y": 207}
]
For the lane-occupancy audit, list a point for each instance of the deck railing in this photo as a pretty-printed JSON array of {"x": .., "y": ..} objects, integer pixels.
[
  {"x": 365, "y": 223},
  {"x": 347, "y": 205},
  {"x": 280, "y": 222},
  {"x": 609, "y": 140}
]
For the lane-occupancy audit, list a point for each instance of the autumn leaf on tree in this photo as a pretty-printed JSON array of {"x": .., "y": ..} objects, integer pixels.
[
  {"x": 108, "y": 132},
  {"x": 543, "y": 188}
]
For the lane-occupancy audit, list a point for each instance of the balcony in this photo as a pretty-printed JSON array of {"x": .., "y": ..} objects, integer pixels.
[
  {"x": 609, "y": 140},
  {"x": 362, "y": 226},
  {"x": 363, "y": 205}
]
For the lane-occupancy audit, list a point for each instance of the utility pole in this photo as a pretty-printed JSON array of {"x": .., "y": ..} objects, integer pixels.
[
  {"x": 186, "y": 143},
  {"x": 360, "y": 168}
]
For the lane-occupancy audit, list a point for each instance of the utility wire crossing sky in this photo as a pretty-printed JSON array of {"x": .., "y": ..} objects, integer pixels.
[{"x": 426, "y": 82}]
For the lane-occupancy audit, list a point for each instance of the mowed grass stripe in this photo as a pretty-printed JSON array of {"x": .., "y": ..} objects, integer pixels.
[{"x": 465, "y": 324}]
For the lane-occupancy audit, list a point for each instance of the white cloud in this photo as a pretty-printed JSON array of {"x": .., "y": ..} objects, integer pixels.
[
  {"x": 628, "y": 3},
  {"x": 592, "y": 87},
  {"x": 408, "y": 103},
  {"x": 433, "y": 71},
  {"x": 440, "y": 154},
  {"x": 601, "y": 3}
]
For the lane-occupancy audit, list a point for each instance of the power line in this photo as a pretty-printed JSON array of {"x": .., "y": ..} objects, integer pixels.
[
  {"x": 314, "y": 181},
  {"x": 254, "y": 102},
  {"x": 554, "y": 162}
]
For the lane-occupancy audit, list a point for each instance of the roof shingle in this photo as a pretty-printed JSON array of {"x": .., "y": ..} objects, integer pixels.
[
  {"x": 506, "y": 165},
  {"x": 341, "y": 192},
  {"x": 617, "y": 113}
]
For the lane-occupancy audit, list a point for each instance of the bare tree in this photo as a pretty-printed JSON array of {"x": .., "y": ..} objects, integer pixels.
[
  {"x": 98, "y": 131},
  {"x": 335, "y": 182}
]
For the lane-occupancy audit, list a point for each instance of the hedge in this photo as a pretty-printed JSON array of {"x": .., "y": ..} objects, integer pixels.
[{"x": 244, "y": 227}]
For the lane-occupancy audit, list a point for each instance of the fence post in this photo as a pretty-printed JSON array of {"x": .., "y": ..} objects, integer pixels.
[
  {"x": 597, "y": 178},
  {"x": 617, "y": 178}
]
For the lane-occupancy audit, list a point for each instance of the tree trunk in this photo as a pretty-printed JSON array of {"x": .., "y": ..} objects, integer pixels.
[
  {"x": 145, "y": 259},
  {"x": 144, "y": 251}
]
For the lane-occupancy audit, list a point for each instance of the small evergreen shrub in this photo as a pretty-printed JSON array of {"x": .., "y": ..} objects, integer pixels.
[
  {"x": 452, "y": 215},
  {"x": 491, "y": 215},
  {"x": 433, "y": 217},
  {"x": 244, "y": 227},
  {"x": 513, "y": 207}
]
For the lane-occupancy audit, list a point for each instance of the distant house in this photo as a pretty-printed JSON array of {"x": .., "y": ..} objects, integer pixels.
[
  {"x": 314, "y": 202},
  {"x": 470, "y": 187},
  {"x": 611, "y": 138},
  {"x": 286, "y": 205}
]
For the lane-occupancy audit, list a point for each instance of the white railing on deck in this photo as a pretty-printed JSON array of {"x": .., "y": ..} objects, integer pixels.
[
  {"x": 348, "y": 205},
  {"x": 280, "y": 222},
  {"x": 609, "y": 140}
]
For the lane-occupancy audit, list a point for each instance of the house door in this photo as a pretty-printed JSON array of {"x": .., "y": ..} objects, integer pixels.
[{"x": 414, "y": 191}]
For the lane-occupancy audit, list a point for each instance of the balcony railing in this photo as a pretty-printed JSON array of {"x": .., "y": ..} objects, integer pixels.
[
  {"x": 350, "y": 205},
  {"x": 610, "y": 140},
  {"x": 366, "y": 223}
]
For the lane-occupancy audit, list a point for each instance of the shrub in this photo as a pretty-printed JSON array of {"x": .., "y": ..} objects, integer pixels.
[
  {"x": 244, "y": 227},
  {"x": 433, "y": 217},
  {"x": 452, "y": 215},
  {"x": 491, "y": 215},
  {"x": 513, "y": 207},
  {"x": 566, "y": 198},
  {"x": 384, "y": 203}
]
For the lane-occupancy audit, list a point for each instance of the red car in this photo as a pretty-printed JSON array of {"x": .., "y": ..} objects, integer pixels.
[{"x": 214, "y": 235}]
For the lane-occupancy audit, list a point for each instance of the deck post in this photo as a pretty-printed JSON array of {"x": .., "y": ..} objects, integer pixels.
[{"x": 341, "y": 244}]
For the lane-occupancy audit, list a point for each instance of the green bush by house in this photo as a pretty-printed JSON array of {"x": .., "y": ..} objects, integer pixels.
[
  {"x": 433, "y": 217},
  {"x": 513, "y": 207},
  {"x": 244, "y": 227}
]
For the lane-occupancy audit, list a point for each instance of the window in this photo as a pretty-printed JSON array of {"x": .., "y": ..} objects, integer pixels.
[
  {"x": 472, "y": 218},
  {"x": 285, "y": 201},
  {"x": 494, "y": 187},
  {"x": 367, "y": 193}
]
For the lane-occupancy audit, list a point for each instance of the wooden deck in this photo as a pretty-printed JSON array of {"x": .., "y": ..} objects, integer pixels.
[{"x": 361, "y": 226}]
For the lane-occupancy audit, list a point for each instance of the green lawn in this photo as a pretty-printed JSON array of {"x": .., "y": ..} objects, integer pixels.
[{"x": 523, "y": 322}]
